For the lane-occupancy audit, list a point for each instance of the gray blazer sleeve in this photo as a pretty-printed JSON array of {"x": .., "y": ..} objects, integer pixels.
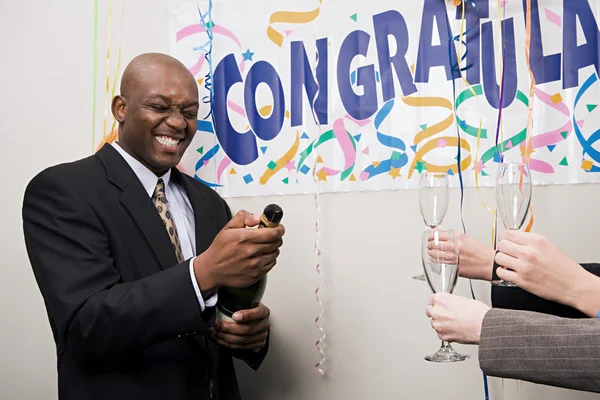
[{"x": 541, "y": 348}]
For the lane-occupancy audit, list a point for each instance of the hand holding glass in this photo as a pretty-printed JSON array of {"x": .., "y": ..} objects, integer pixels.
[
  {"x": 513, "y": 197},
  {"x": 440, "y": 255}
]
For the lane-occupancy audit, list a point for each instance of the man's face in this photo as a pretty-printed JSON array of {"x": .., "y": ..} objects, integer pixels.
[{"x": 160, "y": 117}]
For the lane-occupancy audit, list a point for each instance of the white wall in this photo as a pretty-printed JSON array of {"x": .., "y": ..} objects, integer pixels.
[{"x": 375, "y": 322}]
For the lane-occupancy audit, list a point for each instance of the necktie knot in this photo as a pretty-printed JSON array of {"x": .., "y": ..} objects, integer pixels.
[{"x": 159, "y": 191}]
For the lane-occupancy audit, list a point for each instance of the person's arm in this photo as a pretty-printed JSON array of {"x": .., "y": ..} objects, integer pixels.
[
  {"x": 96, "y": 316},
  {"x": 554, "y": 283},
  {"x": 514, "y": 298},
  {"x": 541, "y": 349},
  {"x": 519, "y": 299},
  {"x": 520, "y": 344}
]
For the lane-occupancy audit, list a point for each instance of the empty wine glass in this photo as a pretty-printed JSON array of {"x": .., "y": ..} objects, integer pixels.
[
  {"x": 434, "y": 197},
  {"x": 440, "y": 255},
  {"x": 513, "y": 197}
]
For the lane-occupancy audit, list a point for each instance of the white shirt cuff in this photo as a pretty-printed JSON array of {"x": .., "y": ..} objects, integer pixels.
[{"x": 212, "y": 301}]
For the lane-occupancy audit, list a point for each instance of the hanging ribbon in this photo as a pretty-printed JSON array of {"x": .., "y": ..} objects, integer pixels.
[
  {"x": 318, "y": 344},
  {"x": 112, "y": 136},
  {"x": 108, "y": 45},
  {"x": 457, "y": 68},
  {"x": 206, "y": 25},
  {"x": 95, "y": 80},
  {"x": 473, "y": 93},
  {"x": 528, "y": 150}
]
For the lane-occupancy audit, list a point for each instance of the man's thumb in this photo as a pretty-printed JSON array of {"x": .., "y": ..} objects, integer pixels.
[{"x": 241, "y": 220}]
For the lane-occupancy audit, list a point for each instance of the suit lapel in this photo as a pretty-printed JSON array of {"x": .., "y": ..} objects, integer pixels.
[{"x": 135, "y": 199}]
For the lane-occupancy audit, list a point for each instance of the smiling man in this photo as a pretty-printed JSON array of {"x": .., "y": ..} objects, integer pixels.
[{"x": 129, "y": 253}]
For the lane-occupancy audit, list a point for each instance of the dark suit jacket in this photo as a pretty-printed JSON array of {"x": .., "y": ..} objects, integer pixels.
[
  {"x": 518, "y": 299},
  {"x": 541, "y": 348},
  {"x": 123, "y": 312}
]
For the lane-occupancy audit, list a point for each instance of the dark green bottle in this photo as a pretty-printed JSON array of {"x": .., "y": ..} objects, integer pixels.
[{"x": 231, "y": 300}]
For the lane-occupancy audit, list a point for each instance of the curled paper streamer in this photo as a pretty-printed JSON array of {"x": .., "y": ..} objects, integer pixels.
[
  {"x": 319, "y": 365},
  {"x": 587, "y": 144},
  {"x": 528, "y": 150},
  {"x": 290, "y": 17},
  {"x": 209, "y": 155},
  {"x": 113, "y": 135},
  {"x": 527, "y": 153},
  {"x": 206, "y": 25},
  {"x": 197, "y": 29},
  {"x": 106, "y": 99},
  {"x": 551, "y": 137},
  {"x": 398, "y": 158},
  {"x": 433, "y": 130},
  {"x": 95, "y": 81},
  {"x": 471, "y": 91},
  {"x": 222, "y": 165},
  {"x": 348, "y": 147},
  {"x": 282, "y": 162},
  {"x": 460, "y": 70}
]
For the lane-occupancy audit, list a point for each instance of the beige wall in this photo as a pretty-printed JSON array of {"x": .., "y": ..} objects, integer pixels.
[{"x": 375, "y": 322}]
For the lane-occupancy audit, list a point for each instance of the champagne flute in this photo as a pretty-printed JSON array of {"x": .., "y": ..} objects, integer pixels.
[
  {"x": 434, "y": 197},
  {"x": 440, "y": 255},
  {"x": 513, "y": 197}
]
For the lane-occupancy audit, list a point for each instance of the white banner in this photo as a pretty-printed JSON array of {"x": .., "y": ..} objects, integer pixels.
[{"x": 386, "y": 98}]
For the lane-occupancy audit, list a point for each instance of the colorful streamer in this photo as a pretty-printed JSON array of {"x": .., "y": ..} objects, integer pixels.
[
  {"x": 113, "y": 134},
  {"x": 95, "y": 80},
  {"x": 290, "y": 17},
  {"x": 282, "y": 162},
  {"x": 587, "y": 144},
  {"x": 434, "y": 143},
  {"x": 108, "y": 45},
  {"x": 473, "y": 93},
  {"x": 323, "y": 138},
  {"x": 398, "y": 158},
  {"x": 319, "y": 365},
  {"x": 222, "y": 165},
  {"x": 198, "y": 29},
  {"x": 203, "y": 161},
  {"x": 528, "y": 151}
]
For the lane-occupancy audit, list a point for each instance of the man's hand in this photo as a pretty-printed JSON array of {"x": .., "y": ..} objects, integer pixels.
[
  {"x": 249, "y": 331},
  {"x": 239, "y": 256},
  {"x": 533, "y": 263},
  {"x": 456, "y": 319},
  {"x": 476, "y": 260}
]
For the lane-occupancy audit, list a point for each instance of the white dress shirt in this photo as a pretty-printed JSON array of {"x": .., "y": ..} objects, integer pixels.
[{"x": 181, "y": 210}]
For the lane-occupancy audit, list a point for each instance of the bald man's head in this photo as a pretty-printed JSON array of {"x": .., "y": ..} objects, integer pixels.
[
  {"x": 156, "y": 110},
  {"x": 145, "y": 64}
]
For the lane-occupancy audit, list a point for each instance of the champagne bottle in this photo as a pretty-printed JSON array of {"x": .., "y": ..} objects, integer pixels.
[{"x": 231, "y": 300}]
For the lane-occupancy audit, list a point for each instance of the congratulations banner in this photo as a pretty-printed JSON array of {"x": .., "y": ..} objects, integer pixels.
[{"x": 355, "y": 96}]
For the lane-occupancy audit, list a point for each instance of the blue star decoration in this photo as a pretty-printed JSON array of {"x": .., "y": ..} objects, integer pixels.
[{"x": 248, "y": 55}]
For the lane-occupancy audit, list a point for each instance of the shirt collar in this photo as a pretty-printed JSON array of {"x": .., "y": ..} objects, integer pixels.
[{"x": 146, "y": 177}]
